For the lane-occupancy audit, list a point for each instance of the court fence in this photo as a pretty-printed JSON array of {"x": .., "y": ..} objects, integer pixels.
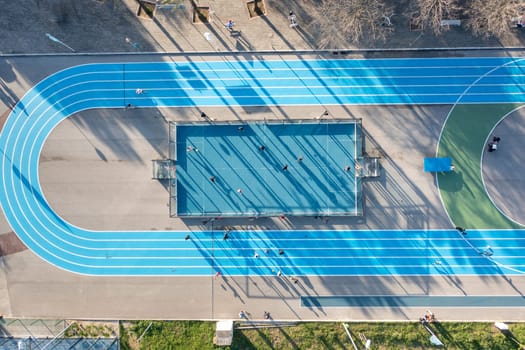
[
  {"x": 26, "y": 334},
  {"x": 366, "y": 167}
]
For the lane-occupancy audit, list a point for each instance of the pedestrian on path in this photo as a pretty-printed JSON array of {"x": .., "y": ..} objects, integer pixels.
[
  {"x": 266, "y": 315},
  {"x": 292, "y": 19},
  {"x": 242, "y": 315},
  {"x": 230, "y": 24}
]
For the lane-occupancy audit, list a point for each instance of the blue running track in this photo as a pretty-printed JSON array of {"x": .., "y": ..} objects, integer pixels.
[{"x": 247, "y": 83}]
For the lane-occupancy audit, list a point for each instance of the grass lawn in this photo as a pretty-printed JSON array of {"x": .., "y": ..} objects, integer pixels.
[{"x": 199, "y": 335}]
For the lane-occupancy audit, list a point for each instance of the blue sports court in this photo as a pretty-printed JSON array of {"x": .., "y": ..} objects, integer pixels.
[{"x": 268, "y": 168}]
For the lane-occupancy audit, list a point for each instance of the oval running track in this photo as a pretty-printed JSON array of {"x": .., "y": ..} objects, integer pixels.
[{"x": 245, "y": 83}]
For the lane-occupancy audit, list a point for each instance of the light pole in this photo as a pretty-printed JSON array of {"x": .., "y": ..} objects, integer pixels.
[{"x": 52, "y": 38}]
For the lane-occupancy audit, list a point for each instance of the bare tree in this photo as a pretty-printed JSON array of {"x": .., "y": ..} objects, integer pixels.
[
  {"x": 430, "y": 13},
  {"x": 344, "y": 21},
  {"x": 493, "y": 17}
]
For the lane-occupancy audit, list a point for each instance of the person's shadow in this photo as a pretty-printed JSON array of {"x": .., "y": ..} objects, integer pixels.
[{"x": 235, "y": 33}]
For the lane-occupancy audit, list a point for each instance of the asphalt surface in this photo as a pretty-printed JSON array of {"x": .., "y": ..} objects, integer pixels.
[{"x": 93, "y": 171}]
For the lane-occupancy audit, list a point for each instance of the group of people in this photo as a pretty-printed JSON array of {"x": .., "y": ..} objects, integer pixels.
[
  {"x": 428, "y": 317},
  {"x": 493, "y": 145},
  {"x": 244, "y": 315}
]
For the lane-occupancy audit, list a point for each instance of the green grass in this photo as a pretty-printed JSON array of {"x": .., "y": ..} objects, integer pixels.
[{"x": 330, "y": 336}]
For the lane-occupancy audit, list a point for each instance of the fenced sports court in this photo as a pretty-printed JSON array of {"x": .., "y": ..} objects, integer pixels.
[{"x": 304, "y": 167}]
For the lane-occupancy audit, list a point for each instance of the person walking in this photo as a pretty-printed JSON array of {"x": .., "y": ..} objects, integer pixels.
[{"x": 292, "y": 19}]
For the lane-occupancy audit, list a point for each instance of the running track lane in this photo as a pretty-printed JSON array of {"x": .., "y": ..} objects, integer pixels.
[{"x": 244, "y": 83}]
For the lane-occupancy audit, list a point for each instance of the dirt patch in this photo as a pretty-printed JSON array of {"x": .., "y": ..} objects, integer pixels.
[
  {"x": 201, "y": 14},
  {"x": 113, "y": 26},
  {"x": 10, "y": 244},
  {"x": 146, "y": 9},
  {"x": 256, "y": 8},
  {"x": 3, "y": 118}
]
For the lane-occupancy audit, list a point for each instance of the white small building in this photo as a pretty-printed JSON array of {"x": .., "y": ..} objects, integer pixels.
[{"x": 223, "y": 333}]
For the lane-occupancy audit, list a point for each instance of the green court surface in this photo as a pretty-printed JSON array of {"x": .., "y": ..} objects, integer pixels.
[{"x": 463, "y": 139}]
